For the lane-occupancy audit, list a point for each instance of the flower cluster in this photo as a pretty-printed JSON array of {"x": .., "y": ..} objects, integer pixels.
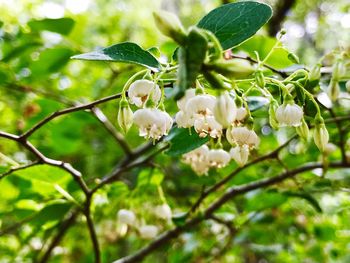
[
  {"x": 222, "y": 118},
  {"x": 127, "y": 218}
]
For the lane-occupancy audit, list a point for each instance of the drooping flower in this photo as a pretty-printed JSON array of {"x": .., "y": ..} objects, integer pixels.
[
  {"x": 289, "y": 114},
  {"x": 198, "y": 159},
  {"x": 152, "y": 123},
  {"x": 125, "y": 216},
  {"x": 218, "y": 158},
  {"x": 242, "y": 136},
  {"x": 208, "y": 126},
  {"x": 163, "y": 211},
  {"x": 200, "y": 106},
  {"x": 241, "y": 113},
  {"x": 142, "y": 90},
  {"x": 183, "y": 120},
  {"x": 148, "y": 231},
  {"x": 181, "y": 103},
  {"x": 225, "y": 110},
  {"x": 240, "y": 154}
]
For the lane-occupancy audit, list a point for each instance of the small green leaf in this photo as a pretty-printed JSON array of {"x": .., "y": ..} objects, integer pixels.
[
  {"x": 179, "y": 219},
  {"x": 126, "y": 52},
  {"x": 181, "y": 141},
  {"x": 233, "y": 23},
  {"x": 61, "y": 25}
]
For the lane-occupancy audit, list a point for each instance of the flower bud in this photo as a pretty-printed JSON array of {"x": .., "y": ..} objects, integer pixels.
[
  {"x": 259, "y": 79},
  {"x": 315, "y": 75},
  {"x": 321, "y": 136},
  {"x": 338, "y": 70},
  {"x": 126, "y": 217},
  {"x": 241, "y": 114},
  {"x": 148, "y": 231},
  {"x": 330, "y": 148},
  {"x": 272, "y": 115},
  {"x": 225, "y": 110},
  {"x": 125, "y": 115},
  {"x": 163, "y": 211},
  {"x": 303, "y": 130},
  {"x": 240, "y": 154},
  {"x": 333, "y": 90},
  {"x": 170, "y": 25}
]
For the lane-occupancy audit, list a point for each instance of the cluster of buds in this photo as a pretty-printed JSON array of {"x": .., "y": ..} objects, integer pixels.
[{"x": 127, "y": 218}]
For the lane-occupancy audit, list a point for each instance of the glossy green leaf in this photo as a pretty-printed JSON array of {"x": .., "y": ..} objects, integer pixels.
[
  {"x": 256, "y": 102},
  {"x": 181, "y": 141},
  {"x": 126, "y": 52},
  {"x": 61, "y": 26},
  {"x": 233, "y": 23}
]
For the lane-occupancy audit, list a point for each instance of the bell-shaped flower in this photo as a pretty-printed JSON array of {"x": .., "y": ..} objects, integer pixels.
[
  {"x": 183, "y": 120},
  {"x": 200, "y": 106},
  {"x": 181, "y": 103},
  {"x": 225, "y": 110},
  {"x": 241, "y": 113},
  {"x": 125, "y": 216},
  {"x": 163, "y": 211},
  {"x": 208, "y": 126},
  {"x": 152, "y": 123},
  {"x": 198, "y": 159},
  {"x": 142, "y": 90},
  {"x": 148, "y": 231},
  {"x": 240, "y": 154},
  {"x": 289, "y": 114},
  {"x": 242, "y": 136},
  {"x": 218, "y": 158}
]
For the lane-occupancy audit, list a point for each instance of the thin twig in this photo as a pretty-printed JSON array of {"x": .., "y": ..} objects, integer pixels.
[{"x": 17, "y": 168}]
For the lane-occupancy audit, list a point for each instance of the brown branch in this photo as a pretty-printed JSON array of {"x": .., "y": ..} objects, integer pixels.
[
  {"x": 87, "y": 106},
  {"x": 92, "y": 231},
  {"x": 228, "y": 195}
]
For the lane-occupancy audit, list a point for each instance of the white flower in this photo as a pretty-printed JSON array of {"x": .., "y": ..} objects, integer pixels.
[
  {"x": 242, "y": 136},
  {"x": 200, "y": 106},
  {"x": 197, "y": 155},
  {"x": 289, "y": 114},
  {"x": 126, "y": 217},
  {"x": 198, "y": 159},
  {"x": 140, "y": 91},
  {"x": 241, "y": 113},
  {"x": 240, "y": 154},
  {"x": 163, "y": 211},
  {"x": 148, "y": 231},
  {"x": 181, "y": 103},
  {"x": 225, "y": 110},
  {"x": 152, "y": 123},
  {"x": 183, "y": 120},
  {"x": 218, "y": 158},
  {"x": 330, "y": 148},
  {"x": 208, "y": 126}
]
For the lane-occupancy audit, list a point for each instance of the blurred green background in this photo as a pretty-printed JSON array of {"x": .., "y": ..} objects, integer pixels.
[{"x": 37, "y": 77}]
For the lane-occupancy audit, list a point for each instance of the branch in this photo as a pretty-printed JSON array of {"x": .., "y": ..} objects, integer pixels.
[
  {"x": 92, "y": 231},
  {"x": 87, "y": 106},
  {"x": 228, "y": 195},
  {"x": 66, "y": 224},
  {"x": 17, "y": 168}
]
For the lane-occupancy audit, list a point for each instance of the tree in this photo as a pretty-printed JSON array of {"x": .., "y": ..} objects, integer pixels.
[{"x": 220, "y": 133}]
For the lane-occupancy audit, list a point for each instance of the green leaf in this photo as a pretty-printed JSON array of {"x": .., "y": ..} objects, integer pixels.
[
  {"x": 126, "y": 52},
  {"x": 307, "y": 197},
  {"x": 233, "y": 23},
  {"x": 265, "y": 200},
  {"x": 256, "y": 102},
  {"x": 263, "y": 45},
  {"x": 52, "y": 213},
  {"x": 181, "y": 141},
  {"x": 61, "y": 25}
]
